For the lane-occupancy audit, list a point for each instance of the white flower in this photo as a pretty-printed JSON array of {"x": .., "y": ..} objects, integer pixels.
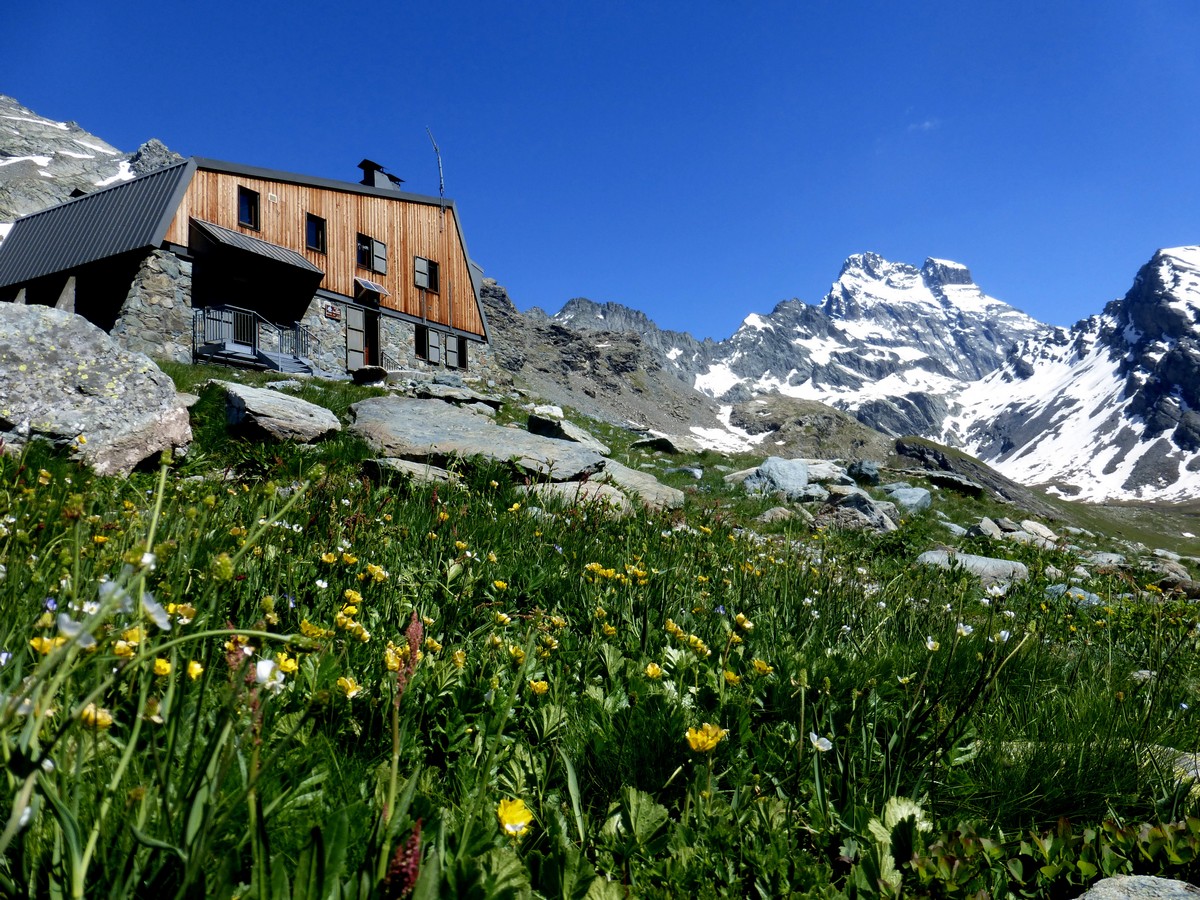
[
  {"x": 322, "y": 583},
  {"x": 881, "y": 605},
  {"x": 1001, "y": 637},
  {"x": 820, "y": 743},
  {"x": 964, "y": 629},
  {"x": 69, "y": 628},
  {"x": 984, "y": 601},
  {"x": 149, "y": 561},
  {"x": 1009, "y": 614},
  {"x": 931, "y": 645},
  {"x": 155, "y": 611},
  {"x": 997, "y": 590},
  {"x": 266, "y": 672}
]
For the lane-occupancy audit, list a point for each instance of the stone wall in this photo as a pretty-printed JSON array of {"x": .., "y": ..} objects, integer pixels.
[{"x": 156, "y": 317}]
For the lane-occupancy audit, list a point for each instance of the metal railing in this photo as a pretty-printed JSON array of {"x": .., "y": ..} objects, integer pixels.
[
  {"x": 389, "y": 362},
  {"x": 245, "y": 331}
]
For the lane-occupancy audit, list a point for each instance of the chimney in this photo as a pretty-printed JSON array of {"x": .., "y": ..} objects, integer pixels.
[{"x": 375, "y": 176}]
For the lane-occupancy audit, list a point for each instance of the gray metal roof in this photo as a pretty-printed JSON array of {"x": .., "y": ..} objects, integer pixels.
[
  {"x": 254, "y": 245},
  {"x": 130, "y": 215}
]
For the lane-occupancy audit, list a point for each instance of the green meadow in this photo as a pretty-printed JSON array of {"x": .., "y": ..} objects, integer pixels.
[{"x": 255, "y": 673}]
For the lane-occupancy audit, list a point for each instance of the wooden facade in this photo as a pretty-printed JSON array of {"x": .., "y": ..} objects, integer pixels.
[{"x": 408, "y": 226}]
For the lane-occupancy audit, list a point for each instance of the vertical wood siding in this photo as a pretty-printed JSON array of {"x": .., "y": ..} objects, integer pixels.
[{"x": 408, "y": 229}]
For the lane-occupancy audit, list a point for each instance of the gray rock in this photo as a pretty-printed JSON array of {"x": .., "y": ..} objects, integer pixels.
[
  {"x": 738, "y": 477},
  {"x": 289, "y": 384},
  {"x": 986, "y": 527},
  {"x": 419, "y": 472},
  {"x": 591, "y": 494},
  {"x": 813, "y": 493},
  {"x": 275, "y": 416},
  {"x": 776, "y": 514},
  {"x": 1031, "y": 540},
  {"x": 653, "y": 493},
  {"x": 777, "y": 476},
  {"x": 825, "y": 472},
  {"x": 1098, "y": 558},
  {"x": 847, "y": 518},
  {"x": 1140, "y": 887},
  {"x": 548, "y": 412},
  {"x": 1076, "y": 595},
  {"x": 1007, "y": 524},
  {"x": 864, "y": 471},
  {"x": 894, "y": 486},
  {"x": 1034, "y": 527},
  {"x": 988, "y": 570},
  {"x": 691, "y": 471},
  {"x": 911, "y": 499},
  {"x": 455, "y": 393},
  {"x": 955, "y": 529},
  {"x": 1168, "y": 554},
  {"x": 664, "y": 443},
  {"x": 562, "y": 430},
  {"x": 76, "y": 388},
  {"x": 434, "y": 431},
  {"x": 838, "y": 492}
]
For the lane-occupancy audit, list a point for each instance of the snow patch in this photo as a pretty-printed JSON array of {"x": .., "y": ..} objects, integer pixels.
[
  {"x": 107, "y": 151},
  {"x": 36, "y": 160},
  {"x": 674, "y": 353},
  {"x": 61, "y": 126},
  {"x": 717, "y": 380},
  {"x": 123, "y": 174}
]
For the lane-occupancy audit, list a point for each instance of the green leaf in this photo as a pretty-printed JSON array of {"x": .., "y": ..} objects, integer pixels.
[
  {"x": 310, "y": 869},
  {"x": 573, "y": 790}
]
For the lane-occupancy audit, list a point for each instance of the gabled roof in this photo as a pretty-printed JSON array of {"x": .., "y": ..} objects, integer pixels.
[{"x": 129, "y": 215}]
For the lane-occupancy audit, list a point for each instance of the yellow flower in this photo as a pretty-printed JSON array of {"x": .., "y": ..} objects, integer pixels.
[
  {"x": 162, "y": 666},
  {"x": 442, "y": 515},
  {"x": 44, "y": 477},
  {"x": 45, "y": 645},
  {"x": 733, "y": 677},
  {"x": 654, "y": 670},
  {"x": 288, "y": 665},
  {"x": 500, "y": 585},
  {"x": 762, "y": 668},
  {"x": 123, "y": 649},
  {"x": 329, "y": 557},
  {"x": 502, "y": 618},
  {"x": 608, "y": 630},
  {"x": 518, "y": 653},
  {"x": 431, "y": 645},
  {"x": 491, "y": 557},
  {"x": 349, "y": 559},
  {"x": 96, "y": 717},
  {"x": 743, "y": 623},
  {"x": 515, "y": 507},
  {"x": 514, "y": 817},
  {"x": 352, "y": 596},
  {"x": 100, "y": 539},
  {"x": 459, "y": 658},
  {"x": 349, "y": 687},
  {"x": 194, "y": 670},
  {"x": 705, "y": 738},
  {"x": 539, "y": 687}
]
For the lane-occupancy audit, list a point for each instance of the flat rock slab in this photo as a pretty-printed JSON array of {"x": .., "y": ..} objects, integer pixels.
[
  {"x": 989, "y": 571},
  {"x": 419, "y": 472},
  {"x": 652, "y": 492},
  {"x": 591, "y": 494},
  {"x": 65, "y": 381},
  {"x": 911, "y": 499},
  {"x": 778, "y": 476},
  {"x": 436, "y": 432},
  {"x": 456, "y": 394},
  {"x": 561, "y": 430},
  {"x": 274, "y": 415},
  {"x": 1141, "y": 887}
]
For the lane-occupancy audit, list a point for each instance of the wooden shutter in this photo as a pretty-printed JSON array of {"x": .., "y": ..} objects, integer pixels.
[
  {"x": 356, "y": 338},
  {"x": 379, "y": 264}
]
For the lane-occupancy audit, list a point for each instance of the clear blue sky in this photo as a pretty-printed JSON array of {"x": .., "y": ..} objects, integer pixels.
[{"x": 696, "y": 160}]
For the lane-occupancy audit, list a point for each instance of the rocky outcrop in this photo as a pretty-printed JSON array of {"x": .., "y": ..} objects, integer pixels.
[
  {"x": 272, "y": 415},
  {"x": 64, "y": 380},
  {"x": 1140, "y": 887}
]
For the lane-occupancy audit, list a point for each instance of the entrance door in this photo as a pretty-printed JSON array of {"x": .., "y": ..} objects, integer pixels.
[{"x": 362, "y": 338}]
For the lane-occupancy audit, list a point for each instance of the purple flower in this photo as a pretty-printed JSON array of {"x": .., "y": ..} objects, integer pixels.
[
  {"x": 720, "y": 609},
  {"x": 50, "y": 603}
]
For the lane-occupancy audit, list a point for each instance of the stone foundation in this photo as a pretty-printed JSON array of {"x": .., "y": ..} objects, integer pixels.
[{"x": 156, "y": 317}]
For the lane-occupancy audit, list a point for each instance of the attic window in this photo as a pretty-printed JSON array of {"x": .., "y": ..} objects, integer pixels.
[
  {"x": 314, "y": 233},
  {"x": 371, "y": 254},
  {"x": 248, "y": 208},
  {"x": 425, "y": 273}
]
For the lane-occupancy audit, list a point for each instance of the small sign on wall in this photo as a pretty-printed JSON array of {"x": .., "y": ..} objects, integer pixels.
[{"x": 333, "y": 311}]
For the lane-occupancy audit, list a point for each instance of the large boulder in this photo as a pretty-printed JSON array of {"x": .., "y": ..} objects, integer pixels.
[
  {"x": 779, "y": 477},
  {"x": 64, "y": 380},
  {"x": 437, "y": 432},
  {"x": 989, "y": 571},
  {"x": 1145, "y": 887},
  {"x": 274, "y": 415},
  {"x": 653, "y": 493},
  {"x": 562, "y": 430}
]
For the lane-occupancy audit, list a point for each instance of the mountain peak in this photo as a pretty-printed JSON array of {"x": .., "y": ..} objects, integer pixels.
[{"x": 945, "y": 271}]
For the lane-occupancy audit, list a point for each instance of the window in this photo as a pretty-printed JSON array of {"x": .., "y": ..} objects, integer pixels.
[
  {"x": 314, "y": 227},
  {"x": 372, "y": 254},
  {"x": 425, "y": 273},
  {"x": 248, "y": 208},
  {"x": 456, "y": 352}
]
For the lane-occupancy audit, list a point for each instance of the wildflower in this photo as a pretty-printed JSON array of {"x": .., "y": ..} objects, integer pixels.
[
  {"x": 222, "y": 567},
  {"x": 743, "y": 623},
  {"x": 905, "y": 679},
  {"x": 494, "y": 641},
  {"x": 96, "y": 717},
  {"x": 732, "y": 678},
  {"x": 352, "y": 596},
  {"x": 266, "y": 672},
  {"x": 1001, "y": 636},
  {"x": 99, "y": 539},
  {"x": 123, "y": 649},
  {"x": 349, "y": 559},
  {"x": 44, "y": 645},
  {"x": 515, "y": 507},
  {"x": 349, "y": 687},
  {"x": 931, "y": 645},
  {"x": 321, "y": 583},
  {"x": 705, "y": 738},
  {"x": 609, "y": 630},
  {"x": 653, "y": 670},
  {"x": 194, "y": 670},
  {"x": 44, "y": 477},
  {"x": 963, "y": 630},
  {"x": 502, "y": 618},
  {"x": 491, "y": 557},
  {"x": 329, "y": 558},
  {"x": 431, "y": 645},
  {"x": 514, "y": 816},
  {"x": 288, "y": 665},
  {"x": 539, "y": 687},
  {"x": 820, "y": 743},
  {"x": 517, "y": 653},
  {"x": 500, "y": 585},
  {"x": 762, "y": 668},
  {"x": 459, "y": 658},
  {"x": 162, "y": 666}
]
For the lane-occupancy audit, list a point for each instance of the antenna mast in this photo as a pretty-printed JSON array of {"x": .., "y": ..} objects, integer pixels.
[{"x": 441, "y": 178}]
